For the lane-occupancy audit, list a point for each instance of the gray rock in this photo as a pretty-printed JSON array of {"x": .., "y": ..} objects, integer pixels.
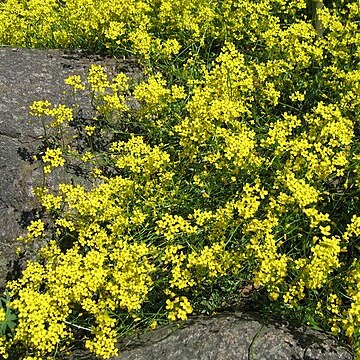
[
  {"x": 233, "y": 336},
  {"x": 27, "y": 75},
  {"x": 239, "y": 335}
]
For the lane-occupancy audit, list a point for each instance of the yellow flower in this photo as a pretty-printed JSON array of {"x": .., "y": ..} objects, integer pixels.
[
  {"x": 153, "y": 325},
  {"x": 97, "y": 79},
  {"x": 89, "y": 129},
  {"x": 179, "y": 308},
  {"x": 52, "y": 158},
  {"x": 35, "y": 230},
  {"x": 39, "y": 108},
  {"x": 2, "y": 314},
  {"x": 75, "y": 82}
]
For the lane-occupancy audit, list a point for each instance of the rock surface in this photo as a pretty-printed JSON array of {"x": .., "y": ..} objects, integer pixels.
[
  {"x": 229, "y": 336},
  {"x": 27, "y": 75}
]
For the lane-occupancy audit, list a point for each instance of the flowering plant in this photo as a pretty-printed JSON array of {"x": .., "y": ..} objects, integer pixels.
[{"x": 238, "y": 167}]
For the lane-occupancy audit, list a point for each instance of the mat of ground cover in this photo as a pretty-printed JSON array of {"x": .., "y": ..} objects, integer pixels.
[{"x": 27, "y": 75}]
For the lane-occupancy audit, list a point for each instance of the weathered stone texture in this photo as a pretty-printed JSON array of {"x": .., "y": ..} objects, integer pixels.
[
  {"x": 241, "y": 335},
  {"x": 27, "y": 75},
  {"x": 237, "y": 336}
]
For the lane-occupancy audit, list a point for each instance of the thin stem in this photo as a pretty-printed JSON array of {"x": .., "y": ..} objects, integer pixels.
[{"x": 77, "y": 326}]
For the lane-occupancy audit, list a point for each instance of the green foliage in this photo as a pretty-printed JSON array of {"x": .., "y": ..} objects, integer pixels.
[{"x": 9, "y": 322}]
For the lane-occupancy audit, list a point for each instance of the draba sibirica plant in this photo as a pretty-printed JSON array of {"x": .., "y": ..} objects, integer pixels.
[{"x": 239, "y": 164}]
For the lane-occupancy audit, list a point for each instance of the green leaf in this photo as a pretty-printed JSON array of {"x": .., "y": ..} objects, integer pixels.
[{"x": 10, "y": 317}]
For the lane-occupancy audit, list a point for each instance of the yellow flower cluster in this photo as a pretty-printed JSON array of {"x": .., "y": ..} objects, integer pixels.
[
  {"x": 139, "y": 157},
  {"x": 52, "y": 159},
  {"x": 154, "y": 97},
  {"x": 324, "y": 260},
  {"x": 49, "y": 201},
  {"x": 352, "y": 229},
  {"x": 2, "y": 314},
  {"x": 75, "y": 82},
  {"x": 61, "y": 113},
  {"x": 211, "y": 262},
  {"x": 35, "y": 230},
  {"x": 72, "y": 278},
  {"x": 179, "y": 308},
  {"x": 350, "y": 319},
  {"x": 98, "y": 79},
  {"x": 169, "y": 226},
  {"x": 5, "y": 345},
  {"x": 239, "y": 161},
  {"x": 180, "y": 275}
]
